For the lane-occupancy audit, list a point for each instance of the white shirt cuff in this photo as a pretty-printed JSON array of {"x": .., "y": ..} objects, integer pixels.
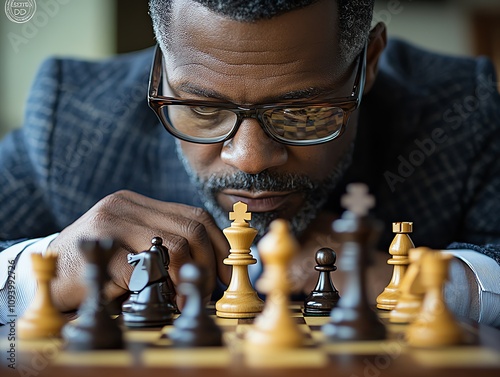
[
  {"x": 17, "y": 281},
  {"x": 474, "y": 287}
]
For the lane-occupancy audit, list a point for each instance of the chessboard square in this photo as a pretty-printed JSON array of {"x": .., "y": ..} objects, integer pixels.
[
  {"x": 287, "y": 358},
  {"x": 226, "y": 323},
  {"x": 241, "y": 330},
  {"x": 316, "y": 321},
  {"x": 194, "y": 357},
  {"x": 367, "y": 347},
  {"x": 456, "y": 357},
  {"x": 111, "y": 358},
  {"x": 37, "y": 345},
  {"x": 299, "y": 320},
  {"x": 136, "y": 336},
  {"x": 305, "y": 329},
  {"x": 29, "y": 350},
  {"x": 317, "y": 337},
  {"x": 296, "y": 309}
]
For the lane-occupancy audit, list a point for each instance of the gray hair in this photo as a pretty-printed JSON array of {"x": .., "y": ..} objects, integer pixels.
[{"x": 355, "y": 17}]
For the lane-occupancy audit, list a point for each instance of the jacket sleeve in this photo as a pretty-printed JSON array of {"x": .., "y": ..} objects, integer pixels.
[
  {"x": 482, "y": 193},
  {"x": 25, "y": 164}
]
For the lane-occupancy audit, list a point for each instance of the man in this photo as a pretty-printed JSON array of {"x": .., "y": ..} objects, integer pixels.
[{"x": 93, "y": 162}]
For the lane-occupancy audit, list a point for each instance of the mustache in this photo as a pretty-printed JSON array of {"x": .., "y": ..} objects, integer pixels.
[{"x": 263, "y": 181}]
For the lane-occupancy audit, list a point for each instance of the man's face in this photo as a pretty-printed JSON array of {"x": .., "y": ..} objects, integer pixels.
[{"x": 214, "y": 58}]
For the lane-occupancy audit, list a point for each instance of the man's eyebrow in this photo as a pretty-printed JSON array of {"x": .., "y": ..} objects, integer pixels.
[
  {"x": 199, "y": 91},
  {"x": 213, "y": 94},
  {"x": 304, "y": 93}
]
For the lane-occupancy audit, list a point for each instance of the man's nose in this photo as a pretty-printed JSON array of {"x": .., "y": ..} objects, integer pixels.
[{"x": 251, "y": 150}]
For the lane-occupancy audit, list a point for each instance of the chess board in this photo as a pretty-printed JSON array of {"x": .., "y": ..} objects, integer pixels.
[{"x": 148, "y": 355}]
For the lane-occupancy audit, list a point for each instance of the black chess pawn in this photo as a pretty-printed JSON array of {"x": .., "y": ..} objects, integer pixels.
[
  {"x": 324, "y": 296},
  {"x": 95, "y": 329},
  {"x": 149, "y": 305},
  {"x": 194, "y": 327}
]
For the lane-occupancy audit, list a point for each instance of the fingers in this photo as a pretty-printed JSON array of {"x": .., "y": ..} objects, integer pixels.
[
  {"x": 133, "y": 220},
  {"x": 185, "y": 221}
]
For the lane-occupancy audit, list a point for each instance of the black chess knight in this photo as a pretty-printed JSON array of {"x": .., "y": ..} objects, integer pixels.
[{"x": 151, "y": 301}]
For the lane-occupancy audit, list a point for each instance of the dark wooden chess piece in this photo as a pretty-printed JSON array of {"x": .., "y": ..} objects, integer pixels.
[
  {"x": 194, "y": 327},
  {"x": 324, "y": 297},
  {"x": 151, "y": 302},
  {"x": 166, "y": 287},
  {"x": 95, "y": 329},
  {"x": 353, "y": 319}
]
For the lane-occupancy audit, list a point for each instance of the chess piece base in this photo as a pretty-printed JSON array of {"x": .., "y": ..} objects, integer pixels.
[
  {"x": 148, "y": 315},
  {"x": 239, "y": 305},
  {"x": 195, "y": 332},
  {"x": 137, "y": 320},
  {"x": 82, "y": 338},
  {"x": 423, "y": 335},
  {"x": 285, "y": 335},
  {"x": 30, "y": 327},
  {"x": 388, "y": 299},
  {"x": 320, "y": 303}
]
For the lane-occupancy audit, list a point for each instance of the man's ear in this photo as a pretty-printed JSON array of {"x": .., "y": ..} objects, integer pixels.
[{"x": 377, "y": 40}]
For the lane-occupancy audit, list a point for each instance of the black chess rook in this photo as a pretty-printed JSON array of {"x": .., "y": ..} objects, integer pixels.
[{"x": 95, "y": 329}]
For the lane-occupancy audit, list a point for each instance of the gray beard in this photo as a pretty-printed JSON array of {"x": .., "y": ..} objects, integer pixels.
[{"x": 315, "y": 193}]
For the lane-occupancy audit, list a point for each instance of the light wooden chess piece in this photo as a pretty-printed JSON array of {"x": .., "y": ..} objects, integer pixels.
[
  {"x": 435, "y": 326},
  {"x": 275, "y": 328},
  {"x": 400, "y": 246},
  {"x": 412, "y": 290},
  {"x": 240, "y": 300},
  {"x": 41, "y": 319}
]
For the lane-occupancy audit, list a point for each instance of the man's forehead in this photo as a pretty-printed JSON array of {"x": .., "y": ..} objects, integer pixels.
[{"x": 299, "y": 45}]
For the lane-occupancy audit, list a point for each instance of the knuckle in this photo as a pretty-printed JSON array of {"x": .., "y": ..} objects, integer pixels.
[
  {"x": 99, "y": 218},
  {"x": 201, "y": 215},
  {"x": 197, "y": 231},
  {"x": 105, "y": 211},
  {"x": 111, "y": 202},
  {"x": 177, "y": 245}
]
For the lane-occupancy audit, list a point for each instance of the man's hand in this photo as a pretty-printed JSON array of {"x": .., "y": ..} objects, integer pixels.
[{"x": 189, "y": 233}]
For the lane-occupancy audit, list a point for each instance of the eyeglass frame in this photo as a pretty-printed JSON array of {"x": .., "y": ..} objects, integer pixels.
[{"x": 347, "y": 104}]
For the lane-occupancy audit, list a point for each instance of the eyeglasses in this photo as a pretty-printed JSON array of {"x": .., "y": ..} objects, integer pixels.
[{"x": 292, "y": 122}]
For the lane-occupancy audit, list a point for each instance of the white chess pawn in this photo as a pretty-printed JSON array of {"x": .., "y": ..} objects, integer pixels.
[{"x": 275, "y": 328}]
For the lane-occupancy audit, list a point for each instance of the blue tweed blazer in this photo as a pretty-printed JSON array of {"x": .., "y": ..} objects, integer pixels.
[{"x": 428, "y": 146}]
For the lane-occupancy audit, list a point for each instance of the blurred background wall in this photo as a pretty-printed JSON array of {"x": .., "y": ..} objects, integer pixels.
[{"x": 94, "y": 29}]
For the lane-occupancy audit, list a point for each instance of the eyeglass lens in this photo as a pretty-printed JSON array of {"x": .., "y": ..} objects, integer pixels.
[{"x": 308, "y": 123}]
